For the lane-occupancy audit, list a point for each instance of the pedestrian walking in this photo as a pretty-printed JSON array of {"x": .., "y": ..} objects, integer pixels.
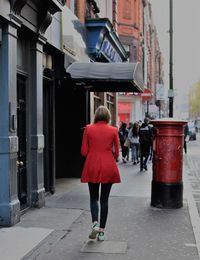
[
  {"x": 145, "y": 139},
  {"x": 100, "y": 146},
  {"x": 151, "y": 148},
  {"x": 186, "y": 135},
  {"x": 134, "y": 141},
  {"x": 130, "y": 126},
  {"x": 123, "y": 135}
]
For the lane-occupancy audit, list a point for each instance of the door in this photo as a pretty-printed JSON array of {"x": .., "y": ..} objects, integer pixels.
[{"x": 21, "y": 132}]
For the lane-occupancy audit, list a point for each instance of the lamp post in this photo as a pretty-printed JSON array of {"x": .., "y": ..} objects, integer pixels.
[{"x": 171, "y": 90}]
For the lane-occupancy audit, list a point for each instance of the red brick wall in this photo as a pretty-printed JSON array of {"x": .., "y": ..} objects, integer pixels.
[
  {"x": 129, "y": 21},
  {"x": 81, "y": 7},
  {"x": 127, "y": 17}
]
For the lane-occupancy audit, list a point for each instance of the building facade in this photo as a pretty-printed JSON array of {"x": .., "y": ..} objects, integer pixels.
[
  {"x": 40, "y": 129},
  {"x": 30, "y": 55},
  {"x": 129, "y": 23},
  {"x": 138, "y": 34}
]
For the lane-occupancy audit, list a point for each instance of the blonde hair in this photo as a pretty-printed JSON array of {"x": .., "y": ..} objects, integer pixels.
[{"x": 102, "y": 113}]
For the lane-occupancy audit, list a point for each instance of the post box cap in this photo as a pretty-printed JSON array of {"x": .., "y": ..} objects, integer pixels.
[{"x": 168, "y": 121}]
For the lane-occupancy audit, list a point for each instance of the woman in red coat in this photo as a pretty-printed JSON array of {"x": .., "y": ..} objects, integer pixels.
[{"x": 100, "y": 146}]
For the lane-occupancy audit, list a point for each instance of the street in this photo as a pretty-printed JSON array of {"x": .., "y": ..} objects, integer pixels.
[
  {"x": 135, "y": 230},
  {"x": 192, "y": 164}
]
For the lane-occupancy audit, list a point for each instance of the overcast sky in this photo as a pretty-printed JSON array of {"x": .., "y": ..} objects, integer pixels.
[{"x": 186, "y": 44}]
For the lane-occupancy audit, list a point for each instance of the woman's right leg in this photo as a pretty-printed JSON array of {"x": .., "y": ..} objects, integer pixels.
[
  {"x": 94, "y": 207},
  {"x": 94, "y": 197},
  {"x": 105, "y": 191}
]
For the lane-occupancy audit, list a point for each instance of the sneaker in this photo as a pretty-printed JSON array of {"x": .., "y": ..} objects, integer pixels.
[
  {"x": 145, "y": 167},
  {"x": 100, "y": 236},
  {"x": 134, "y": 163},
  {"x": 124, "y": 160},
  {"x": 94, "y": 232}
]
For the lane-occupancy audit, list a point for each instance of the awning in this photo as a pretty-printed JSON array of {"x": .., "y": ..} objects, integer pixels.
[{"x": 107, "y": 77}]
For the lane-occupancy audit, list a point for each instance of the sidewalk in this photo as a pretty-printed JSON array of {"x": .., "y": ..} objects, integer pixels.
[{"x": 135, "y": 230}]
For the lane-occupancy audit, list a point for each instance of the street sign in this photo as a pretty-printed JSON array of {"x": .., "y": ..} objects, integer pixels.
[
  {"x": 170, "y": 93},
  {"x": 147, "y": 94},
  {"x": 160, "y": 92}
]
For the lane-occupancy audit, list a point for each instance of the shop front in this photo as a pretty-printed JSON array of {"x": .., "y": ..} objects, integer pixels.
[
  {"x": 88, "y": 78},
  {"x": 94, "y": 59},
  {"x": 124, "y": 113},
  {"x": 25, "y": 83}
]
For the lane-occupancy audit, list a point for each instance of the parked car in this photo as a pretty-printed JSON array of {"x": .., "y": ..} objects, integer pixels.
[
  {"x": 192, "y": 131},
  {"x": 197, "y": 124}
]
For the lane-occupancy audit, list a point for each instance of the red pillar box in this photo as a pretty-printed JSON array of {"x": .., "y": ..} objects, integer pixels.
[{"x": 167, "y": 185}]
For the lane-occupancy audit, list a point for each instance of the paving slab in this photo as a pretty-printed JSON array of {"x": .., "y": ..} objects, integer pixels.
[
  {"x": 15, "y": 242},
  {"x": 54, "y": 218},
  {"x": 105, "y": 247}
]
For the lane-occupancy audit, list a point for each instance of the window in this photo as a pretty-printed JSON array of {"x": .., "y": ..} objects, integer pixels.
[
  {"x": 110, "y": 103},
  {"x": 68, "y": 3},
  {"x": 98, "y": 99},
  {"x": 127, "y": 48},
  {"x": 63, "y": 2}
]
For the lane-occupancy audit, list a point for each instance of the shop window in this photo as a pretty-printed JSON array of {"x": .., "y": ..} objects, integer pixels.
[
  {"x": 47, "y": 64},
  {"x": 110, "y": 103},
  {"x": 92, "y": 9},
  {"x": 97, "y": 100}
]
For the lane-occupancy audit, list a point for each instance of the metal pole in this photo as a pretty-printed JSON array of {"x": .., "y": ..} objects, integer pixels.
[
  {"x": 159, "y": 109},
  {"x": 171, "y": 91},
  {"x": 147, "y": 115}
]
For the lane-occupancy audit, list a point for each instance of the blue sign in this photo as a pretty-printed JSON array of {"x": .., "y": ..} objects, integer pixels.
[{"x": 108, "y": 51}]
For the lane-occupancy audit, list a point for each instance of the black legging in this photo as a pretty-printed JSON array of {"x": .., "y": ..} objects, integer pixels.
[
  {"x": 144, "y": 154},
  {"x": 94, "y": 198},
  {"x": 125, "y": 149}
]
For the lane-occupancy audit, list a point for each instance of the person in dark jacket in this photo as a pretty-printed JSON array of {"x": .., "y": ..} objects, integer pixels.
[
  {"x": 123, "y": 134},
  {"x": 145, "y": 139}
]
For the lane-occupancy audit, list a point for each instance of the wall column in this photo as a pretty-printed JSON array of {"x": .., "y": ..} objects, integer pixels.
[
  {"x": 37, "y": 137},
  {"x": 9, "y": 203}
]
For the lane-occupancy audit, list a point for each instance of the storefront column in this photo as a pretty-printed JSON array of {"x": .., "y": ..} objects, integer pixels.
[
  {"x": 37, "y": 137},
  {"x": 9, "y": 203}
]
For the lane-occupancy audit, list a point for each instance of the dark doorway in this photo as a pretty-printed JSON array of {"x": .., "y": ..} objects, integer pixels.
[
  {"x": 21, "y": 132},
  {"x": 48, "y": 130},
  {"x": 71, "y": 112}
]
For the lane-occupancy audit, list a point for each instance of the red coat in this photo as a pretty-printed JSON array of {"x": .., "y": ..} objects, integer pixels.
[{"x": 100, "y": 145}]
